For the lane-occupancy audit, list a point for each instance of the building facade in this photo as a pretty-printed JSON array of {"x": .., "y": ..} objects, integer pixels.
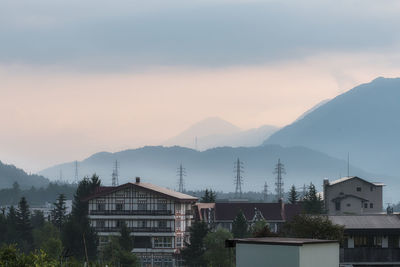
[
  {"x": 158, "y": 218},
  {"x": 370, "y": 240},
  {"x": 352, "y": 195}
]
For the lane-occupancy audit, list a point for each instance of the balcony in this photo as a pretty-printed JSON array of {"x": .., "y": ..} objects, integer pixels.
[
  {"x": 131, "y": 212},
  {"x": 370, "y": 255},
  {"x": 136, "y": 229}
]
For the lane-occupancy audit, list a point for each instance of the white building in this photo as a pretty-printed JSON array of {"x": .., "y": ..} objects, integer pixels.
[
  {"x": 286, "y": 252},
  {"x": 158, "y": 219}
]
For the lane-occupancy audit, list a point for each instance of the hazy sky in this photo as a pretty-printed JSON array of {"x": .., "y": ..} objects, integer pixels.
[{"x": 78, "y": 77}]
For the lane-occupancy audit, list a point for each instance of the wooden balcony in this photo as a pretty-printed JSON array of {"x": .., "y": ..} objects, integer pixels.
[
  {"x": 370, "y": 254},
  {"x": 132, "y": 212}
]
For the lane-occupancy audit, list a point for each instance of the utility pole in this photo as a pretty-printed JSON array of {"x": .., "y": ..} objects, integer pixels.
[
  {"x": 76, "y": 172},
  {"x": 265, "y": 192},
  {"x": 181, "y": 174},
  {"x": 279, "y": 170},
  {"x": 114, "y": 175},
  {"x": 238, "y": 178}
]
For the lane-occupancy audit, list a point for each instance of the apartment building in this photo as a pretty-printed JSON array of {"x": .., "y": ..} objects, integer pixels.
[
  {"x": 352, "y": 195},
  {"x": 158, "y": 218}
]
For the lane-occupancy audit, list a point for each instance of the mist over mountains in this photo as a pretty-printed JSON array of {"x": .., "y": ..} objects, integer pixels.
[
  {"x": 363, "y": 122},
  {"x": 215, "y": 132},
  {"x": 10, "y": 174}
]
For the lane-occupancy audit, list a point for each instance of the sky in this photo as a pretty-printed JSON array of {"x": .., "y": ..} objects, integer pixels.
[{"x": 79, "y": 77}]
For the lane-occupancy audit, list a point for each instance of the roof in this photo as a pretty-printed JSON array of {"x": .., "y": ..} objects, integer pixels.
[
  {"x": 364, "y": 222},
  {"x": 270, "y": 211},
  {"x": 105, "y": 190},
  {"x": 282, "y": 241},
  {"x": 344, "y": 179}
]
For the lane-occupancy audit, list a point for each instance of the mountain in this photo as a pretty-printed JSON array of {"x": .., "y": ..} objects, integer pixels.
[
  {"x": 215, "y": 132},
  {"x": 212, "y": 168},
  {"x": 10, "y": 174},
  {"x": 363, "y": 122}
]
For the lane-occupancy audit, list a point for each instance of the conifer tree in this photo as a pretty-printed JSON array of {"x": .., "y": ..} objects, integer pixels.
[
  {"x": 125, "y": 240},
  {"x": 59, "y": 211},
  {"x": 313, "y": 203},
  {"x": 24, "y": 225},
  {"x": 293, "y": 196},
  {"x": 193, "y": 254},
  {"x": 240, "y": 226}
]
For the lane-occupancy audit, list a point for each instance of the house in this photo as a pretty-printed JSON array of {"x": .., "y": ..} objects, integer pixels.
[
  {"x": 158, "y": 219},
  {"x": 285, "y": 252},
  {"x": 352, "y": 195},
  {"x": 370, "y": 240},
  {"x": 222, "y": 214}
]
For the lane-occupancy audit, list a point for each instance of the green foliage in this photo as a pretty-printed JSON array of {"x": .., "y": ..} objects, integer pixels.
[
  {"x": 216, "y": 254},
  {"x": 115, "y": 255},
  {"x": 193, "y": 254},
  {"x": 24, "y": 225},
  {"x": 209, "y": 196},
  {"x": 312, "y": 202},
  {"x": 261, "y": 229},
  {"x": 10, "y": 256},
  {"x": 125, "y": 240},
  {"x": 293, "y": 196},
  {"x": 37, "y": 219},
  {"x": 240, "y": 226},
  {"x": 48, "y": 239},
  {"x": 313, "y": 226},
  {"x": 58, "y": 213}
]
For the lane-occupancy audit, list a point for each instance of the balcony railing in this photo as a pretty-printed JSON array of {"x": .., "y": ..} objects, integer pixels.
[
  {"x": 369, "y": 254},
  {"x": 136, "y": 229},
  {"x": 130, "y": 212}
]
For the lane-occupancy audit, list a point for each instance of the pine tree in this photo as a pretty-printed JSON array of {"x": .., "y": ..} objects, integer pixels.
[
  {"x": 24, "y": 225},
  {"x": 240, "y": 226},
  {"x": 125, "y": 240},
  {"x": 193, "y": 254},
  {"x": 11, "y": 221},
  {"x": 209, "y": 196},
  {"x": 293, "y": 196},
  {"x": 59, "y": 212},
  {"x": 313, "y": 203}
]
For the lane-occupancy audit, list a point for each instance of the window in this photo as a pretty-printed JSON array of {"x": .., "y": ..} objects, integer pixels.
[
  {"x": 100, "y": 223},
  {"x": 378, "y": 241},
  {"x": 142, "y": 195},
  {"x": 365, "y": 205},
  {"x": 371, "y": 205},
  {"x": 120, "y": 223},
  {"x": 360, "y": 241},
  {"x": 142, "y": 224},
  {"x": 163, "y": 242},
  {"x": 162, "y": 224},
  {"x": 358, "y": 189},
  {"x": 348, "y": 205},
  {"x": 162, "y": 205},
  {"x": 142, "y": 205},
  {"x": 372, "y": 188},
  {"x": 101, "y": 206},
  {"x": 119, "y": 206},
  {"x": 179, "y": 241},
  {"x": 337, "y": 205},
  {"x": 178, "y": 223}
]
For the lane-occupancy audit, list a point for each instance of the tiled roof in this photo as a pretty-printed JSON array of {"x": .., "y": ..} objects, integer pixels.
[
  {"x": 343, "y": 179},
  {"x": 105, "y": 190},
  {"x": 364, "y": 222},
  {"x": 283, "y": 241}
]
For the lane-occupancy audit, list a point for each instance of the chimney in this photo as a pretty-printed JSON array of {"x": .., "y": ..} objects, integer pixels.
[{"x": 137, "y": 180}]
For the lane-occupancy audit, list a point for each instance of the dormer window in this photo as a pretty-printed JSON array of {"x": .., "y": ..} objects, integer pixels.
[{"x": 358, "y": 189}]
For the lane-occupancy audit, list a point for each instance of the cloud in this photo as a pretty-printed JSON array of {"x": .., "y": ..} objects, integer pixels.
[{"x": 120, "y": 35}]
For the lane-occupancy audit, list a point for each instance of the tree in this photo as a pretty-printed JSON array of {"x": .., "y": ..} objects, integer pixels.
[
  {"x": 77, "y": 234},
  {"x": 193, "y": 254},
  {"x": 48, "y": 239},
  {"x": 11, "y": 221},
  {"x": 24, "y": 225},
  {"x": 10, "y": 256},
  {"x": 37, "y": 219},
  {"x": 216, "y": 253},
  {"x": 240, "y": 226},
  {"x": 313, "y": 203},
  {"x": 261, "y": 229},
  {"x": 59, "y": 211},
  {"x": 313, "y": 226},
  {"x": 209, "y": 196},
  {"x": 293, "y": 196},
  {"x": 116, "y": 255},
  {"x": 125, "y": 240}
]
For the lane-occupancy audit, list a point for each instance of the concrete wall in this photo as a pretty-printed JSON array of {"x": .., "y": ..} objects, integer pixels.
[
  {"x": 318, "y": 255},
  {"x": 260, "y": 255}
]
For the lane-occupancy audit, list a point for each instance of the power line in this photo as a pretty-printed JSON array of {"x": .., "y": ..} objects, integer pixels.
[
  {"x": 115, "y": 174},
  {"x": 181, "y": 174},
  {"x": 238, "y": 169},
  {"x": 279, "y": 170},
  {"x": 265, "y": 192}
]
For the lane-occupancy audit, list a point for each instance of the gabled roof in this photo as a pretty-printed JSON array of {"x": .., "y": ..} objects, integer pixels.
[
  {"x": 347, "y": 178},
  {"x": 365, "y": 222},
  {"x": 105, "y": 190}
]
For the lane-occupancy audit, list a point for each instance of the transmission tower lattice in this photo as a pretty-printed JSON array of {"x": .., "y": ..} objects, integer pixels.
[
  {"x": 265, "y": 192},
  {"x": 114, "y": 174},
  {"x": 181, "y": 174},
  {"x": 279, "y": 170},
  {"x": 76, "y": 172},
  {"x": 238, "y": 178}
]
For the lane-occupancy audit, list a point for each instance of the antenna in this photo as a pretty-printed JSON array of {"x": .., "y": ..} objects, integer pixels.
[
  {"x": 76, "y": 172},
  {"x": 265, "y": 192},
  {"x": 114, "y": 175},
  {"x": 348, "y": 164},
  {"x": 238, "y": 169},
  {"x": 279, "y": 170},
  {"x": 181, "y": 174}
]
